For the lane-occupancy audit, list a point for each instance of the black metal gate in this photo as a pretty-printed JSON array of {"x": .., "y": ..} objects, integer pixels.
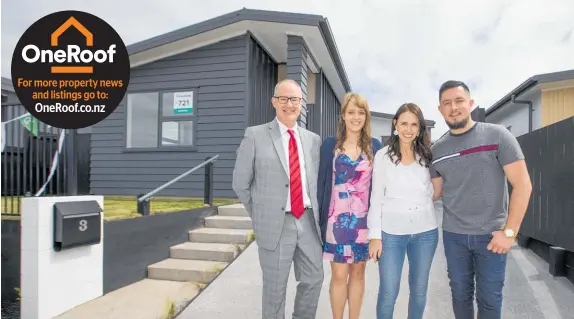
[{"x": 28, "y": 159}]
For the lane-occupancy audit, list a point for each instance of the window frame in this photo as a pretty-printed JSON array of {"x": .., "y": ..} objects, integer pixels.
[{"x": 161, "y": 119}]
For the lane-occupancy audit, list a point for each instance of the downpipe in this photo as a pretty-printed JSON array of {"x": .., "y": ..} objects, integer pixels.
[{"x": 530, "y": 109}]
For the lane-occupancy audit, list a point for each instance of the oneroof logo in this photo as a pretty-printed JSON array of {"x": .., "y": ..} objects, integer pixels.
[{"x": 70, "y": 69}]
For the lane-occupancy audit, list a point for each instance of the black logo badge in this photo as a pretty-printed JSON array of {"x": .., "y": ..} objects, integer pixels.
[{"x": 70, "y": 69}]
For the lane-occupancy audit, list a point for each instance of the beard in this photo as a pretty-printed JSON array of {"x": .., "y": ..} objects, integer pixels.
[{"x": 457, "y": 125}]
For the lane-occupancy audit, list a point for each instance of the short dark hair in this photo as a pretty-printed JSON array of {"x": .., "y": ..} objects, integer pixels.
[{"x": 450, "y": 85}]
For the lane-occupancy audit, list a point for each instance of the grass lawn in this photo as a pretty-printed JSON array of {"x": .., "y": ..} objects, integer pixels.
[{"x": 122, "y": 207}]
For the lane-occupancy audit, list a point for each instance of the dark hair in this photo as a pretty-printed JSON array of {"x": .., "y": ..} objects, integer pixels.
[
  {"x": 422, "y": 141},
  {"x": 450, "y": 85}
]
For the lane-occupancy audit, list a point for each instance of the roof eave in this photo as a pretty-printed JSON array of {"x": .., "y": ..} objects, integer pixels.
[
  {"x": 253, "y": 15},
  {"x": 381, "y": 115},
  {"x": 525, "y": 86},
  {"x": 221, "y": 21},
  {"x": 334, "y": 51},
  {"x": 530, "y": 83}
]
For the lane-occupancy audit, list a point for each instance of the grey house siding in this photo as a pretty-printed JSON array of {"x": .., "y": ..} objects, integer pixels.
[
  {"x": 297, "y": 67},
  {"x": 218, "y": 72},
  {"x": 17, "y": 137},
  {"x": 330, "y": 106},
  {"x": 8, "y": 94},
  {"x": 9, "y": 97},
  {"x": 314, "y": 117},
  {"x": 262, "y": 74}
]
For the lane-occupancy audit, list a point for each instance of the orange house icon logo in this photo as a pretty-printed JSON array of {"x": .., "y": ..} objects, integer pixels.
[
  {"x": 72, "y": 22},
  {"x": 87, "y": 58}
]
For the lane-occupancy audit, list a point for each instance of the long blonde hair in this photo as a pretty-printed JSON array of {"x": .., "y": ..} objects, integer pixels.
[{"x": 365, "y": 140}]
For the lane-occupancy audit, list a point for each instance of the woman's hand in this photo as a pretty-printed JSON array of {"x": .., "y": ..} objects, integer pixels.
[
  {"x": 375, "y": 249},
  {"x": 437, "y": 188}
]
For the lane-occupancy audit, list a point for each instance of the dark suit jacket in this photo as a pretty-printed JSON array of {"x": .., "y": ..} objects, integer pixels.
[{"x": 325, "y": 179}]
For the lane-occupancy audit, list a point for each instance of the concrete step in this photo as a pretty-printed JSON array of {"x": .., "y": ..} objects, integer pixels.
[
  {"x": 220, "y": 235},
  {"x": 206, "y": 251},
  {"x": 145, "y": 299},
  {"x": 235, "y": 222},
  {"x": 185, "y": 270},
  {"x": 232, "y": 210}
]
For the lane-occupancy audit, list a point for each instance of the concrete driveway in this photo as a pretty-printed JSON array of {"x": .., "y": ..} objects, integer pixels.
[{"x": 530, "y": 292}]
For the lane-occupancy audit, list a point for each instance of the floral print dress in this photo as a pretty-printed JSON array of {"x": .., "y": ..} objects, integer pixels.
[{"x": 346, "y": 237}]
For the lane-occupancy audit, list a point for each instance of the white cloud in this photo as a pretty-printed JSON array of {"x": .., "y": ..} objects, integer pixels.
[{"x": 393, "y": 51}]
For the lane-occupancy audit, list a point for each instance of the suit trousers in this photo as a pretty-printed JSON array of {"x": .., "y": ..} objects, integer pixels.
[{"x": 299, "y": 244}]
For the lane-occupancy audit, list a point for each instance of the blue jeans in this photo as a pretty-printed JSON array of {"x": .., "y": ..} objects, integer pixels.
[
  {"x": 467, "y": 258},
  {"x": 420, "y": 249}
]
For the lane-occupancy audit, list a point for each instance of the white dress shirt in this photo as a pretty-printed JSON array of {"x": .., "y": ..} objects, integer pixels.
[
  {"x": 401, "y": 199},
  {"x": 285, "y": 137}
]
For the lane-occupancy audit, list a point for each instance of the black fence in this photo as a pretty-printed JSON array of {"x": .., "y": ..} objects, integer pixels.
[
  {"x": 549, "y": 154},
  {"x": 478, "y": 114},
  {"x": 28, "y": 159}
]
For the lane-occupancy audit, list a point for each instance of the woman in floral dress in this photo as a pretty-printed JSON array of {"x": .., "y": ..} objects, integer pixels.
[{"x": 344, "y": 189}]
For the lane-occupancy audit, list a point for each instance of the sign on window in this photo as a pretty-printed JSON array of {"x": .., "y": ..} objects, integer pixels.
[{"x": 183, "y": 102}]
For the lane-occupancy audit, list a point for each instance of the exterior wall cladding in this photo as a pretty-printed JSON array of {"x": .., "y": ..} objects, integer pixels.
[
  {"x": 297, "y": 69},
  {"x": 324, "y": 114},
  {"x": 330, "y": 108},
  {"x": 321, "y": 116},
  {"x": 263, "y": 76},
  {"x": 219, "y": 73},
  {"x": 235, "y": 79}
]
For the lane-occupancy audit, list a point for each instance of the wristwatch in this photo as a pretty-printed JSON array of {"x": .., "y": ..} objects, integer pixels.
[{"x": 509, "y": 233}]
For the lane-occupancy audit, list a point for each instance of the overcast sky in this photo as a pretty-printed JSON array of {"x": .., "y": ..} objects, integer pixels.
[{"x": 393, "y": 51}]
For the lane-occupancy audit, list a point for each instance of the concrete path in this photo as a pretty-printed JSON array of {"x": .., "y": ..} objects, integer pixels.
[
  {"x": 145, "y": 299},
  {"x": 530, "y": 292}
]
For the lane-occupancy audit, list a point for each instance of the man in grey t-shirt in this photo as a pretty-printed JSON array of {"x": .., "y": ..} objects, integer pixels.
[{"x": 472, "y": 162}]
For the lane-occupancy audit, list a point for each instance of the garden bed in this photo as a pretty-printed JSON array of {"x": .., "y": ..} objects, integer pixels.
[{"x": 123, "y": 207}]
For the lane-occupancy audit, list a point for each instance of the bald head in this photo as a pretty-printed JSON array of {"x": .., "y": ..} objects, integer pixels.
[{"x": 286, "y": 82}]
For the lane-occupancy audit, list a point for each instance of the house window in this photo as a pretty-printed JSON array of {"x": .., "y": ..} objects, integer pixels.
[
  {"x": 165, "y": 119},
  {"x": 178, "y": 133}
]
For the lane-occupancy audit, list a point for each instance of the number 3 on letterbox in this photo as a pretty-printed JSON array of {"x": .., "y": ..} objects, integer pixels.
[{"x": 76, "y": 224}]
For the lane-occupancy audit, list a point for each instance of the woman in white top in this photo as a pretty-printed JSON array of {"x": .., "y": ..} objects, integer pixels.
[{"x": 401, "y": 218}]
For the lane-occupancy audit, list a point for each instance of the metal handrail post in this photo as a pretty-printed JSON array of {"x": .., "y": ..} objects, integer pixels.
[
  {"x": 208, "y": 185},
  {"x": 142, "y": 200}
]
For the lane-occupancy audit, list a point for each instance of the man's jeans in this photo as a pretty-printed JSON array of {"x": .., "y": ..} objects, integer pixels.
[
  {"x": 420, "y": 250},
  {"x": 467, "y": 257}
]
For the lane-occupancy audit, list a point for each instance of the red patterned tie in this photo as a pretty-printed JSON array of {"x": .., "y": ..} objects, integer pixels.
[{"x": 296, "y": 188}]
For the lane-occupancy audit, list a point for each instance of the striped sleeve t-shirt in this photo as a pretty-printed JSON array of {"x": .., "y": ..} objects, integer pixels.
[{"x": 475, "y": 192}]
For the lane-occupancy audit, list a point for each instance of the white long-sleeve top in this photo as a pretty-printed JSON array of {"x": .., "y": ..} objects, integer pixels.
[{"x": 401, "y": 198}]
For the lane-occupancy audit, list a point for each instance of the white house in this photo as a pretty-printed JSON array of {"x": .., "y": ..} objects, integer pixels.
[
  {"x": 542, "y": 100},
  {"x": 381, "y": 124}
]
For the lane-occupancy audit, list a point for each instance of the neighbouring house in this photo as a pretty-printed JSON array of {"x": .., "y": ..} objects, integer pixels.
[
  {"x": 541, "y": 100},
  {"x": 540, "y": 113},
  {"x": 381, "y": 124},
  {"x": 8, "y": 94},
  {"x": 229, "y": 65}
]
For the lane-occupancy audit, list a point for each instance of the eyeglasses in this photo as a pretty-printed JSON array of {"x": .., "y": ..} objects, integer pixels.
[{"x": 284, "y": 99}]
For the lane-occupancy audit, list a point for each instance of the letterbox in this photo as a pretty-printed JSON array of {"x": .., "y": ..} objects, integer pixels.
[{"x": 76, "y": 224}]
